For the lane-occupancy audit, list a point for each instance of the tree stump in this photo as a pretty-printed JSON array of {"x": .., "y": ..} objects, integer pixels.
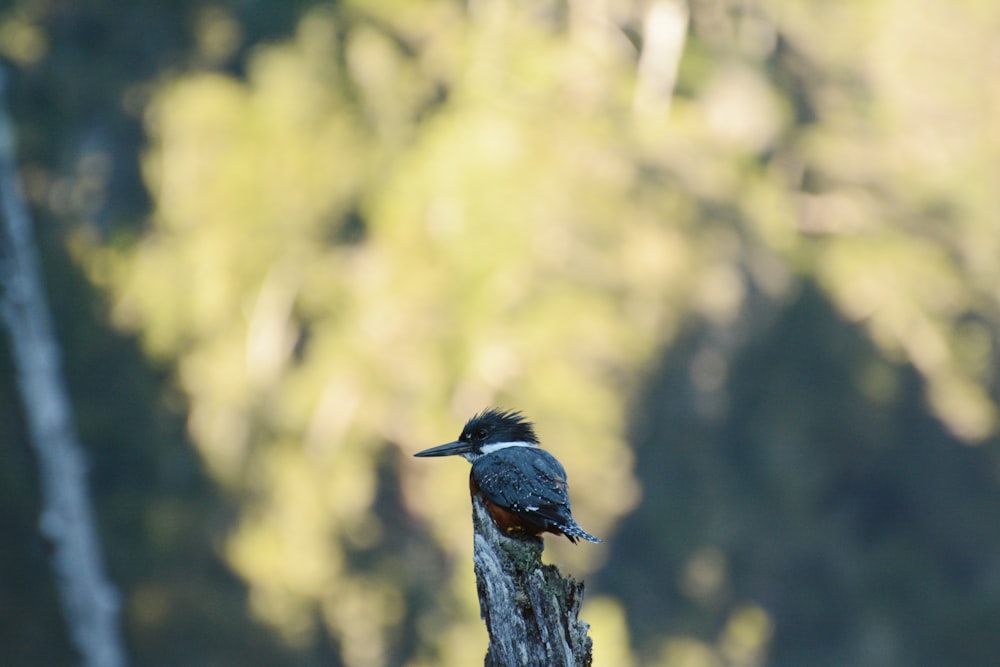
[{"x": 530, "y": 609}]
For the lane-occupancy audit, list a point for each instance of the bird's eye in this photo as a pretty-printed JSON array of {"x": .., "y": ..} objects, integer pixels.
[{"x": 481, "y": 433}]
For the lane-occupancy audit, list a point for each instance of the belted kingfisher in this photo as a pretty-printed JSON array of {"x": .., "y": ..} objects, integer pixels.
[{"x": 523, "y": 485}]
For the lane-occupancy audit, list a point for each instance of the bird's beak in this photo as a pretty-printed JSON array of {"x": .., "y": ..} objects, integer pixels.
[{"x": 447, "y": 449}]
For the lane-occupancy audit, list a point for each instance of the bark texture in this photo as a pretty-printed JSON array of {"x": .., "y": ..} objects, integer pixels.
[
  {"x": 89, "y": 600},
  {"x": 530, "y": 609}
]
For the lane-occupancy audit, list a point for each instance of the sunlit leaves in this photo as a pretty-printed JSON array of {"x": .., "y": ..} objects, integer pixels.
[{"x": 413, "y": 210}]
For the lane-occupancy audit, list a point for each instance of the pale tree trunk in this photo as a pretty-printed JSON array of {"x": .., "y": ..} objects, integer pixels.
[
  {"x": 664, "y": 31},
  {"x": 530, "y": 609},
  {"x": 89, "y": 600}
]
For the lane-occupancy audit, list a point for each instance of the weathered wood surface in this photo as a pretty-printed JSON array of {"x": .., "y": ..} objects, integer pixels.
[{"x": 530, "y": 609}]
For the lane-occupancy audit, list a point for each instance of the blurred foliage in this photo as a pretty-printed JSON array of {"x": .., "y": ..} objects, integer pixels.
[{"x": 737, "y": 260}]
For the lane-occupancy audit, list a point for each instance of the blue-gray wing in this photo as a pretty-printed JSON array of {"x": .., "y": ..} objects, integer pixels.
[{"x": 528, "y": 481}]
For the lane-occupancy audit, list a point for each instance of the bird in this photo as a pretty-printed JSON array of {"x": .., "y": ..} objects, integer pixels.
[{"x": 524, "y": 487}]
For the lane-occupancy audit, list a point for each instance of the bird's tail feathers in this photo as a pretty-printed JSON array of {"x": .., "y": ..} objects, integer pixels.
[{"x": 573, "y": 531}]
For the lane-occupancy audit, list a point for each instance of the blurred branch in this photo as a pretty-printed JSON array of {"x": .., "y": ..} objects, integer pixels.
[
  {"x": 90, "y": 602},
  {"x": 663, "y": 34},
  {"x": 531, "y": 610}
]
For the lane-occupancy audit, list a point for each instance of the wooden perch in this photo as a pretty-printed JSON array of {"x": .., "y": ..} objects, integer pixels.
[
  {"x": 530, "y": 609},
  {"x": 89, "y": 600}
]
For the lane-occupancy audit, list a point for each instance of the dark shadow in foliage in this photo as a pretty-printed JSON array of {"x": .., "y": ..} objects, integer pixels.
[
  {"x": 30, "y": 619},
  {"x": 406, "y": 555},
  {"x": 828, "y": 495}
]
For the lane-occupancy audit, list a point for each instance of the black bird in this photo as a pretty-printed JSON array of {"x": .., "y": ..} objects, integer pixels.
[{"x": 523, "y": 485}]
